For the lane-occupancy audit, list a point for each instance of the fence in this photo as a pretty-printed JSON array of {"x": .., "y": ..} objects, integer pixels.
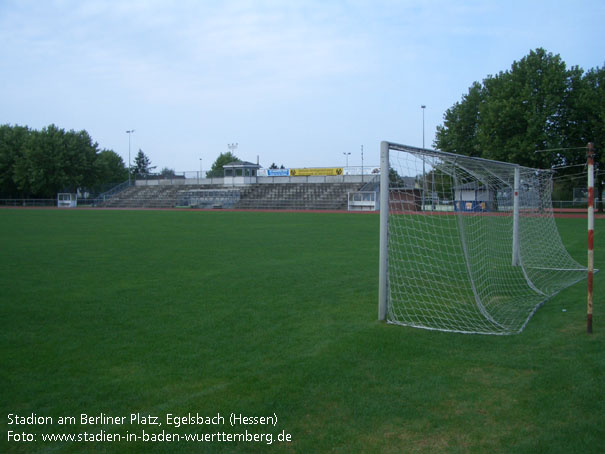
[
  {"x": 28, "y": 202},
  {"x": 350, "y": 175},
  {"x": 47, "y": 202},
  {"x": 177, "y": 179},
  {"x": 562, "y": 204},
  {"x": 154, "y": 180}
]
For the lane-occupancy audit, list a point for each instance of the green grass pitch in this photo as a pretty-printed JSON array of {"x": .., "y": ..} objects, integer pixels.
[{"x": 158, "y": 312}]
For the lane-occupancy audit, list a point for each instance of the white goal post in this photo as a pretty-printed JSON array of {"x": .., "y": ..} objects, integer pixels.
[{"x": 467, "y": 244}]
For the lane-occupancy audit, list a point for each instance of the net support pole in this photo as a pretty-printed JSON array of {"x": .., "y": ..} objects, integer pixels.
[
  {"x": 590, "y": 236},
  {"x": 516, "y": 185},
  {"x": 384, "y": 230}
]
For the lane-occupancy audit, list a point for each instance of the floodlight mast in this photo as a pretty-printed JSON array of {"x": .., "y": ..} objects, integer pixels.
[
  {"x": 423, "y": 167},
  {"x": 423, "y": 107},
  {"x": 347, "y": 153},
  {"x": 362, "y": 163},
  {"x": 129, "y": 132}
]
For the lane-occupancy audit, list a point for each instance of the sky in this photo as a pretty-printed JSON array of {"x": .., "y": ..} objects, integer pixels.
[{"x": 299, "y": 83}]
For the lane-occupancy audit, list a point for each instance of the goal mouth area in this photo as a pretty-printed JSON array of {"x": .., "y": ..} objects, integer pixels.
[{"x": 467, "y": 244}]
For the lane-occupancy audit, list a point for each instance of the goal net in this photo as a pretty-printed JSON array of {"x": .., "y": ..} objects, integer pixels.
[{"x": 467, "y": 244}]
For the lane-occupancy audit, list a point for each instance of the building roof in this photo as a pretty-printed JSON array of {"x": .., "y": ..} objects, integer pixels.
[
  {"x": 242, "y": 165},
  {"x": 472, "y": 185}
]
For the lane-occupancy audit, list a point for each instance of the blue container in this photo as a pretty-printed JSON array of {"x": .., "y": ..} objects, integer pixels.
[{"x": 471, "y": 206}]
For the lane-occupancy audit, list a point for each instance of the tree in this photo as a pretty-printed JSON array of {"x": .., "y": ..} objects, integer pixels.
[
  {"x": 459, "y": 131},
  {"x": 591, "y": 118},
  {"x": 539, "y": 104},
  {"x": 524, "y": 110},
  {"x": 142, "y": 164},
  {"x": 42, "y": 163},
  {"x": 395, "y": 179},
  {"x": 592, "y": 99},
  {"x": 54, "y": 161},
  {"x": 535, "y": 105},
  {"x": 12, "y": 142},
  {"x": 167, "y": 173},
  {"x": 110, "y": 169},
  {"x": 217, "y": 167}
]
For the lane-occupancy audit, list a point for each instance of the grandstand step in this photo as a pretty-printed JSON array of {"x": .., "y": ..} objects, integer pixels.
[{"x": 278, "y": 196}]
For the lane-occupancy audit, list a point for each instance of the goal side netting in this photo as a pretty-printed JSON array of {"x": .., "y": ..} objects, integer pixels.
[{"x": 467, "y": 244}]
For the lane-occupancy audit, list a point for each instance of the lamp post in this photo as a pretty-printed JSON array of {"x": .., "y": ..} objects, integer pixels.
[
  {"x": 347, "y": 153},
  {"x": 423, "y": 170},
  {"x": 362, "y": 163},
  {"x": 423, "y": 107},
  {"x": 129, "y": 132}
]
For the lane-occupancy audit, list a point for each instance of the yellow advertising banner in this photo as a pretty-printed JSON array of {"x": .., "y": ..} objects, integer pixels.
[{"x": 316, "y": 171}]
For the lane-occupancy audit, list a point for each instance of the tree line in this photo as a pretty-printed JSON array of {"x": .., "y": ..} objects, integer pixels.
[
  {"x": 41, "y": 163},
  {"x": 537, "y": 114}
]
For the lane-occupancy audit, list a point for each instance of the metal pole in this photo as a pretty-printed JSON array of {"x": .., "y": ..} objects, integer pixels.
[
  {"x": 423, "y": 169},
  {"x": 423, "y": 107},
  {"x": 516, "y": 261},
  {"x": 362, "y": 163},
  {"x": 384, "y": 231},
  {"x": 129, "y": 132},
  {"x": 590, "y": 236}
]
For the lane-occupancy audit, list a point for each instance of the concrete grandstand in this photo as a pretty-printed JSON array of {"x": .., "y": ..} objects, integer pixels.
[{"x": 245, "y": 186}]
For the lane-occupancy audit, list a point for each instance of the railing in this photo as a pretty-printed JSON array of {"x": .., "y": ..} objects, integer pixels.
[
  {"x": 176, "y": 179},
  {"x": 372, "y": 185},
  {"x": 91, "y": 202},
  {"x": 562, "y": 204},
  {"x": 350, "y": 175},
  {"x": 208, "y": 198},
  {"x": 315, "y": 179},
  {"x": 28, "y": 202},
  {"x": 113, "y": 191}
]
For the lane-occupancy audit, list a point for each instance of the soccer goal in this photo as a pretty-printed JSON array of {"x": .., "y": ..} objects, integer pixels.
[{"x": 466, "y": 244}]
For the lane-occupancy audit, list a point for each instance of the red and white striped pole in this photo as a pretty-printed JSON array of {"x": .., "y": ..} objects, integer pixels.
[{"x": 590, "y": 235}]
